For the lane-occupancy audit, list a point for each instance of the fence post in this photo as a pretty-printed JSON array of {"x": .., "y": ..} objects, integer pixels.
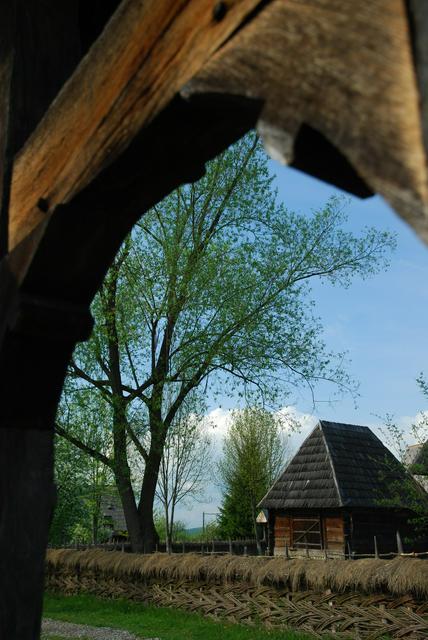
[
  {"x": 183, "y": 547},
  {"x": 349, "y": 550},
  {"x": 245, "y": 550},
  {"x": 376, "y": 552},
  {"x": 399, "y": 544},
  {"x": 230, "y": 547},
  {"x": 287, "y": 555},
  {"x": 156, "y": 547},
  {"x": 213, "y": 546}
]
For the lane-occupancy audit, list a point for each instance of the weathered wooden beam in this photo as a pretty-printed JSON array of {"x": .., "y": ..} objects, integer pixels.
[
  {"x": 38, "y": 49},
  {"x": 146, "y": 53},
  {"x": 345, "y": 72},
  {"x": 7, "y": 58},
  {"x": 418, "y": 16}
]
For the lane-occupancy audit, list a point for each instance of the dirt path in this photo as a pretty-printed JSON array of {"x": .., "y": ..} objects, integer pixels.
[{"x": 66, "y": 630}]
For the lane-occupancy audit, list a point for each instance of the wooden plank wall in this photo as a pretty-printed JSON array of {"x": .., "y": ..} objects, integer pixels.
[
  {"x": 334, "y": 533},
  {"x": 282, "y": 534}
]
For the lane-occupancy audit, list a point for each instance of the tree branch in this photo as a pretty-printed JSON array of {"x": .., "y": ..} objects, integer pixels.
[{"x": 83, "y": 447}]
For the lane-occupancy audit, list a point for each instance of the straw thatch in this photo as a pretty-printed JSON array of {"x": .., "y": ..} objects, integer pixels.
[
  {"x": 399, "y": 576},
  {"x": 363, "y": 599}
]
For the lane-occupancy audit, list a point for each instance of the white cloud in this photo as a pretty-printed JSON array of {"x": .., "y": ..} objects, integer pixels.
[{"x": 218, "y": 423}]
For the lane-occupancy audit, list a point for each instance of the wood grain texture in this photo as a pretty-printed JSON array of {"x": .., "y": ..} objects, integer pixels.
[
  {"x": 147, "y": 52},
  {"x": 346, "y": 71},
  {"x": 418, "y": 15}
]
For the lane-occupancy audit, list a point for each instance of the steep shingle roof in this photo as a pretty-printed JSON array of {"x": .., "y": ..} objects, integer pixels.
[{"x": 339, "y": 465}]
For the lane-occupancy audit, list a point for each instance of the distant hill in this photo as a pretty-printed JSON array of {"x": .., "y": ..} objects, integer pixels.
[{"x": 194, "y": 531}]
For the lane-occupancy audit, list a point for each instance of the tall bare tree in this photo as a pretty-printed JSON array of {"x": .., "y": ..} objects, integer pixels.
[{"x": 186, "y": 465}]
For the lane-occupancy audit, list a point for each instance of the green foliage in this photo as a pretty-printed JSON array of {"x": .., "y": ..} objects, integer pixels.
[
  {"x": 80, "y": 479},
  {"x": 211, "y": 290},
  {"x": 154, "y": 622},
  {"x": 70, "y": 511},
  {"x": 410, "y": 493},
  {"x": 253, "y": 454},
  {"x": 178, "y": 528}
]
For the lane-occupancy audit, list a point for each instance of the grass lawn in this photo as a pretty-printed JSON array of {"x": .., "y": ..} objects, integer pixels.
[{"x": 147, "y": 622}]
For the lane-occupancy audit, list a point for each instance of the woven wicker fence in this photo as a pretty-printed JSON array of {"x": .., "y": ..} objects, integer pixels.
[{"x": 255, "y": 593}]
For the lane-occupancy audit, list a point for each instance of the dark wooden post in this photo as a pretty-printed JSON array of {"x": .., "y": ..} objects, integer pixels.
[
  {"x": 376, "y": 552},
  {"x": 230, "y": 547},
  {"x": 38, "y": 50}
]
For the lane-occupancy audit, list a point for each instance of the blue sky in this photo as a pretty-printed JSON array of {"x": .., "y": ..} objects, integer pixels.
[{"x": 381, "y": 322}]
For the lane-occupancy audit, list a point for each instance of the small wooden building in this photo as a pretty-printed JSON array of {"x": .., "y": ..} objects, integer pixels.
[{"x": 341, "y": 489}]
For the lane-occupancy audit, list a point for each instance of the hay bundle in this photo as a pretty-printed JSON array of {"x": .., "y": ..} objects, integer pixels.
[{"x": 399, "y": 576}]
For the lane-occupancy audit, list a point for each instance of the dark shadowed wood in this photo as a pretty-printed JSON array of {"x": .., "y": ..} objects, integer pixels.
[
  {"x": 346, "y": 71},
  {"x": 43, "y": 47},
  {"x": 143, "y": 57},
  {"x": 7, "y": 57},
  {"x": 418, "y": 15},
  {"x": 26, "y": 500}
]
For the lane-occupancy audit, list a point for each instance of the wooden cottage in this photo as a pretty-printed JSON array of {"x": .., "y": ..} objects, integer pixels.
[{"x": 342, "y": 489}]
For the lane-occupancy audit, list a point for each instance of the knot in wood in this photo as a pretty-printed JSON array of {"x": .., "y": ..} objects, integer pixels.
[
  {"x": 43, "y": 205},
  {"x": 219, "y": 11}
]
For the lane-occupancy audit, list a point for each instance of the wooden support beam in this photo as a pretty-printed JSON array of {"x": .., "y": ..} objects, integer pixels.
[
  {"x": 7, "y": 58},
  {"x": 38, "y": 49},
  {"x": 147, "y": 52},
  {"x": 331, "y": 70},
  {"x": 418, "y": 16}
]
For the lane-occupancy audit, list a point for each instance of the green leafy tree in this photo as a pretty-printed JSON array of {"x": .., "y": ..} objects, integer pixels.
[
  {"x": 70, "y": 511},
  {"x": 81, "y": 479},
  {"x": 177, "y": 531},
  {"x": 211, "y": 291},
  {"x": 411, "y": 493},
  {"x": 253, "y": 454}
]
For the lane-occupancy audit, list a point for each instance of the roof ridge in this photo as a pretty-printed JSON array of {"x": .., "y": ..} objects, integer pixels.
[{"x": 333, "y": 470}]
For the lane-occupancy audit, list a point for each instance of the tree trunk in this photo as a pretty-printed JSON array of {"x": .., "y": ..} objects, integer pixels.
[
  {"x": 256, "y": 531},
  {"x": 168, "y": 530},
  {"x": 131, "y": 513},
  {"x": 147, "y": 497},
  {"x": 145, "y": 508}
]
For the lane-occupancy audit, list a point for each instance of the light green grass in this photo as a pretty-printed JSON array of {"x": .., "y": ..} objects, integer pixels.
[{"x": 146, "y": 621}]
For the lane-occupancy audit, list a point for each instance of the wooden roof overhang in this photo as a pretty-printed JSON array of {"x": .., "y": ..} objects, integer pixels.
[{"x": 88, "y": 144}]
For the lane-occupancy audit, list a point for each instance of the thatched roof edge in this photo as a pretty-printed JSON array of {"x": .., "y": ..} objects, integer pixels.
[{"x": 400, "y": 576}]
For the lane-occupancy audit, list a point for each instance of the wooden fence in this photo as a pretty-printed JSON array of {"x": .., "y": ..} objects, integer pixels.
[
  {"x": 276, "y": 592},
  {"x": 239, "y": 547}
]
